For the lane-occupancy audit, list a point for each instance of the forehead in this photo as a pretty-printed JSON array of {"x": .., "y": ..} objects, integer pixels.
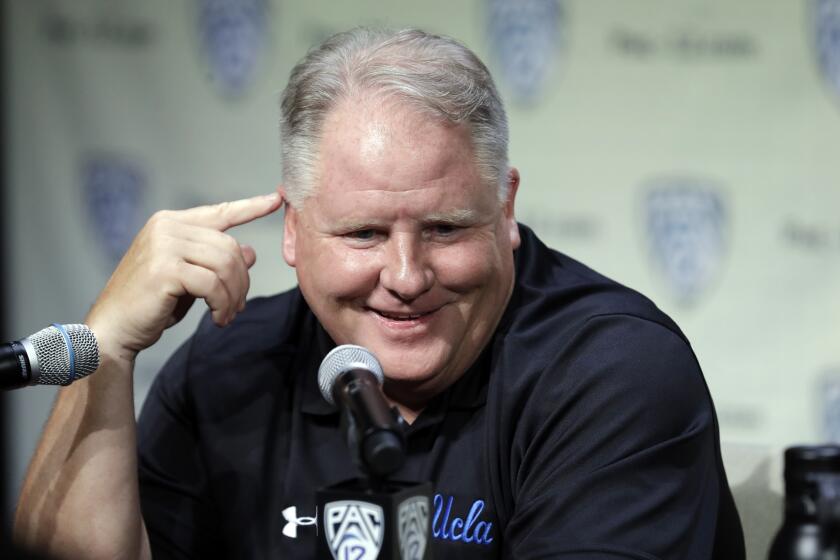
[{"x": 387, "y": 144}]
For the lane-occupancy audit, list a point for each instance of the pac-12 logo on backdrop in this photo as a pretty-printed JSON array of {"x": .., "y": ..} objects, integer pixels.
[
  {"x": 354, "y": 529},
  {"x": 114, "y": 192},
  {"x": 413, "y": 519},
  {"x": 233, "y": 34},
  {"x": 687, "y": 227},
  {"x": 827, "y": 40},
  {"x": 525, "y": 37}
]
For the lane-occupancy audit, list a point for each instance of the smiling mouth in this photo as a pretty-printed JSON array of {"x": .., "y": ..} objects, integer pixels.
[{"x": 405, "y": 317}]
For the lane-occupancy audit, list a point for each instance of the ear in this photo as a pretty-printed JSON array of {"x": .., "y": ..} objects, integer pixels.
[
  {"x": 290, "y": 225},
  {"x": 510, "y": 218}
]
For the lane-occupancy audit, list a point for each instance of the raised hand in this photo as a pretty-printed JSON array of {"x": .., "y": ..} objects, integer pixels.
[{"x": 177, "y": 257}]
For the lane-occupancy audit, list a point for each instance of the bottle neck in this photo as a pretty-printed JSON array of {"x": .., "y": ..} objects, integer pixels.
[
  {"x": 814, "y": 499},
  {"x": 801, "y": 505}
]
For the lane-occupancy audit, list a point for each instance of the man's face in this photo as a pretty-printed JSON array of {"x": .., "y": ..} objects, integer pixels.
[{"x": 402, "y": 248}]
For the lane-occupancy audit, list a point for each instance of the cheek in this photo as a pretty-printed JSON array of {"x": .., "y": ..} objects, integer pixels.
[
  {"x": 466, "y": 268},
  {"x": 329, "y": 269}
]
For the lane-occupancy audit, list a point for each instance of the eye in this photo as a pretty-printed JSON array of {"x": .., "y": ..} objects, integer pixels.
[
  {"x": 444, "y": 230},
  {"x": 361, "y": 234}
]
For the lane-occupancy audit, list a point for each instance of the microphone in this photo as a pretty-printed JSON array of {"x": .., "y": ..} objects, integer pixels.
[
  {"x": 56, "y": 355},
  {"x": 351, "y": 376}
]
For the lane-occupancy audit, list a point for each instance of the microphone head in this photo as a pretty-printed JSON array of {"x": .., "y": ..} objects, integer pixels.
[
  {"x": 345, "y": 358},
  {"x": 58, "y": 364}
]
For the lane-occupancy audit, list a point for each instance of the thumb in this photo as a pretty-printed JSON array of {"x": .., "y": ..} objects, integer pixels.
[{"x": 249, "y": 255}]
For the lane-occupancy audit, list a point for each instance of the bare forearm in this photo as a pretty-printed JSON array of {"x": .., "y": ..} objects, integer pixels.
[{"x": 80, "y": 497}]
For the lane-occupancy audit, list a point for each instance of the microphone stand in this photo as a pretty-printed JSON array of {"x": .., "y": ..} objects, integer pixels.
[{"x": 373, "y": 517}]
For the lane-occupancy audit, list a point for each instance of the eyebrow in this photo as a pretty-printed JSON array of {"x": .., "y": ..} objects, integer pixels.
[
  {"x": 351, "y": 224},
  {"x": 461, "y": 216},
  {"x": 454, "y": 217}
]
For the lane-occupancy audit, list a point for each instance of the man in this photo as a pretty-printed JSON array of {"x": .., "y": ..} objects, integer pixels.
[{"x": 558, "y": 414}]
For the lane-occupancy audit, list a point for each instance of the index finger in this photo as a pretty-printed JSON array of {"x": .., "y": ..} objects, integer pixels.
[{"x": 229, "y": 214}]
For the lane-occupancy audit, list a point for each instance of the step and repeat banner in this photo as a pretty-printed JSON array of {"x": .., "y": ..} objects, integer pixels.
[{"x": 690, "y": 150}]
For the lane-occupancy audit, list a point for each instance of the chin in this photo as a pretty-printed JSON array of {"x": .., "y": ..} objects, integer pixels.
[
  {"x": 407, "y": 366},
  {"x": 403, "y": 367},
  {"x": 403, "y": 376}
]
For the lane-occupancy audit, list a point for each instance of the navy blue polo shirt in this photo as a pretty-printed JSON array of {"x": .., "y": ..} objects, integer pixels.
[{"x": 584, "y": 430}]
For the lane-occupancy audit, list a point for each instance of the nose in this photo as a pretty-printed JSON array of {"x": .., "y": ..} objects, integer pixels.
[{"x": 405, "y": 273}]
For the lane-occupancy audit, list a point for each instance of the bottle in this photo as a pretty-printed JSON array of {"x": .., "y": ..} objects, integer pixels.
[{"x": 812, "y": 505}]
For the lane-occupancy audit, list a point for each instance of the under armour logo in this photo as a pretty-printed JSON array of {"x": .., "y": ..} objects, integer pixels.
[{"x": 293, "y": 521}]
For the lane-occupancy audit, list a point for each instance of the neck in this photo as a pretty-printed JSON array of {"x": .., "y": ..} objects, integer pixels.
[{"x": 408, "y": 413}]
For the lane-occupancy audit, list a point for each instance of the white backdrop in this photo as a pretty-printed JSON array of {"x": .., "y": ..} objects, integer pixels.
[{"x": 687, "y": 149}]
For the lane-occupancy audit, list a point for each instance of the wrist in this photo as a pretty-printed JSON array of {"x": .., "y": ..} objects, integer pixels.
[{"x": 111, "y": 351}]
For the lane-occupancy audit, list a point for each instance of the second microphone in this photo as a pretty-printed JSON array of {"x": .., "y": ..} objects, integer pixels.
[{"x": 350, "y": 377}]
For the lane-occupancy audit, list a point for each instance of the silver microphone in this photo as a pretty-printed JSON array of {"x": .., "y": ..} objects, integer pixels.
[
  {"x": 350, "y": 377},
  {"x": 56, "y": 355}
]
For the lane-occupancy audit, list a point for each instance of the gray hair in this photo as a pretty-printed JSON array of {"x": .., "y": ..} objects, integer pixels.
[{"x": 437, "y": 75}]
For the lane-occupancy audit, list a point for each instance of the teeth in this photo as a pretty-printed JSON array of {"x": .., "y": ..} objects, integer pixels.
[{"x": 400, "y": 317}]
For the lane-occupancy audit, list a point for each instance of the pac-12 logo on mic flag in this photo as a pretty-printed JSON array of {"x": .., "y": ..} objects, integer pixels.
[
  {"x": 687, "y": 228},
  {"x": 354, "y": 529},
  {"x": 827, "y": 39},
  {"x": 524, "y": 36},
  {"x": 232, "y": 37},
  {"x": 114, "y": 192},
  {"x": 413, "y": 519}
]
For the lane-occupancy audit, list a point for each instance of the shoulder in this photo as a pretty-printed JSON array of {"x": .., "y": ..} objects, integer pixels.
[
  {"x": 249, "y": 356},
  {"x": 267, "y": 323},
  {"x": 577, "y": 345},
  {"x": 556, "y": 298},
  {"x": 633, "y": 367},
  {"x": 628, "y": 364}
]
